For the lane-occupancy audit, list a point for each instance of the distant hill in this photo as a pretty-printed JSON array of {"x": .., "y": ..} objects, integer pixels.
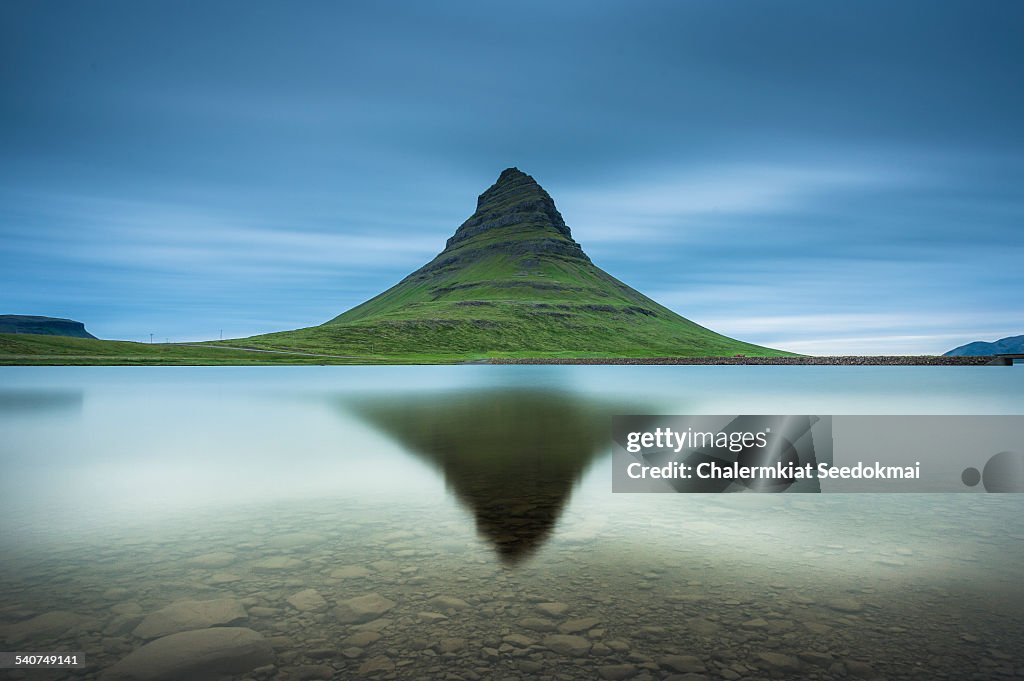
[
  {"x": 511, "y": 282},
  {"x": 1004, "y": 346},
  {"x": 43, "y": 326}
]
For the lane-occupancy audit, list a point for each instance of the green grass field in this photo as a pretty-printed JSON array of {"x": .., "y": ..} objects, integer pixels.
[
  {"x": 32, "y": 350},
  {"x": 28, "y": 349}
]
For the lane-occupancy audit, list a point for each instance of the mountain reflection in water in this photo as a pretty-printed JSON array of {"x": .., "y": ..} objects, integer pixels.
[{"x": 511, "y": 456}]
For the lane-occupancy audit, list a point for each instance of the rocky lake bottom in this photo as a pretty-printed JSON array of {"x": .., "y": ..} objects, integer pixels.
[
  {"x": 458, "y": 523},
  {"x": 680, "y": 588}
]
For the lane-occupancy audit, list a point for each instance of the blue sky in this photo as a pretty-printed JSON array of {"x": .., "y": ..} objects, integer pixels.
[{"x": 821, "y": 177}]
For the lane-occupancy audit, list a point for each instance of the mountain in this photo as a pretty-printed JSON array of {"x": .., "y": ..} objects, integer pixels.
[
  {"x": 1004, "y": 346},
  {"x": 511, "y": 281},
  {"x": 42, "y": 326}
]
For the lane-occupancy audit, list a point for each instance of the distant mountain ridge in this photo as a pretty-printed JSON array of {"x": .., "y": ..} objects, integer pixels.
[
  {"x": 1010, "y": 345},
  {"x": 43, "y": 326},
  {"x": 511, "y": 282}
]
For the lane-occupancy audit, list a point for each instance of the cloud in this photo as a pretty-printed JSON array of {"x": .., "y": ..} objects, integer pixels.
[
  {"x": 277, "y": 165},
  {"x": 689, "y": 204},
  {"x": 909, "y": 344},
  {"x": 888, "y": 333},
  {"x": 162, "y": 238}
]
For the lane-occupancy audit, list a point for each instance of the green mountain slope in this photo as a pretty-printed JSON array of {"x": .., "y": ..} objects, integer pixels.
[{"x": 510, "y": 282}]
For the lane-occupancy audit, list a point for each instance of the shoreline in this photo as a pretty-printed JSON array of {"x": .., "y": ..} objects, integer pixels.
[{"x": 847, "y": 360}]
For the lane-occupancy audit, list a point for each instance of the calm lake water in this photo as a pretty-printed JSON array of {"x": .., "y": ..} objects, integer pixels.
[{"x": 458, "y": 523}]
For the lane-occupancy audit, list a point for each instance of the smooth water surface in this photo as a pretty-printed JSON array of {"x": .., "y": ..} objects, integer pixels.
[{"x": 458, "y": 523}]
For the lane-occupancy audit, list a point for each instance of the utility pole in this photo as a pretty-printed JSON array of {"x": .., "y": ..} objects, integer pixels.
[
  {"x": 150, "y": 339},
  {"x": 222, "y": 334}
]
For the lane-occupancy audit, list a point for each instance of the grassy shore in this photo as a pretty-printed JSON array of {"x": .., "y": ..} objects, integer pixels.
[
  {"x": 33, "y": 350},
  {"x": 38, "y": 350},
  {"x": 834, "y": 360}
]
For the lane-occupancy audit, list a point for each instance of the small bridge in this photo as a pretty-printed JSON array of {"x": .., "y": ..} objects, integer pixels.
[{"x": 1004, "y": 360}]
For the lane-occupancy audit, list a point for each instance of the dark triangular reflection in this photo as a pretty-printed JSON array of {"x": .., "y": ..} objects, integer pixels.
[{"x": 511, "y": 457}]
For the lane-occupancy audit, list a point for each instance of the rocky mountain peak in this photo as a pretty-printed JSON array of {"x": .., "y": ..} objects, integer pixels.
[
  {"x": 516, "y": 199},
  {"x": 512, "y": 185}
]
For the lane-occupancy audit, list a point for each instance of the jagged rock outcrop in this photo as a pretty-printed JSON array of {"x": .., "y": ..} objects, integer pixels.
[
  {"x": 515, "y": 199},
  {"x": 516, "y": 218}
]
